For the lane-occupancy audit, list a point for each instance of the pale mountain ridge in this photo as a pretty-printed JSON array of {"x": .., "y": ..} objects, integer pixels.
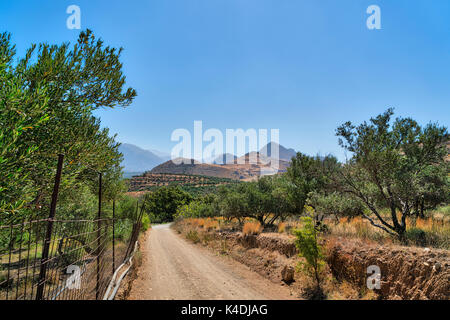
[
  {"x": 242, "y": 168},
  {"x": 283, "y": 153},
  {"x": 136, "y": 159}
]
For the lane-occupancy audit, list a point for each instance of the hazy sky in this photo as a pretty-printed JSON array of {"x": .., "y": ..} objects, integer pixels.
[{"x": 303, "y": 67}]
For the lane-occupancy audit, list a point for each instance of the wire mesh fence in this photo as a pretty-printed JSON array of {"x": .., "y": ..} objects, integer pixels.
[
  {"x": 57, "y": 259},
  {"x": 82, "y": 257}
]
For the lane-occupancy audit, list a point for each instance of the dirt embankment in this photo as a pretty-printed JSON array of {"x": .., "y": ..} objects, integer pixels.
[
  {"x": 267, "y": 254},
  {"x": 406, "y": 272}
]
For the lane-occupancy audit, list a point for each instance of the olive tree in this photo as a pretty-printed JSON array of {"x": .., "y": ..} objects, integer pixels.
[
  {"x": 20, "y": 111},
  {"x": 49, "y": 96},
  {"x": 397, "y": 165}
]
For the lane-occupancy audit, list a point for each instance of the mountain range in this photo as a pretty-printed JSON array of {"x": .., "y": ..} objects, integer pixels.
[{"x": 138, "y": 160}]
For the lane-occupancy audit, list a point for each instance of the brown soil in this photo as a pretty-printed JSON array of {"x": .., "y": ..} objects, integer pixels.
[
  {"x": 267, "y": 254},
  {"x": 406, "y": 273}
]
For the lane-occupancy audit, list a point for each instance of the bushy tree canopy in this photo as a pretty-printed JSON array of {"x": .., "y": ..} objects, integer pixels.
[
  {"x": 398, "y": 165},
  {"x": 46, "y": 102},
  {"x": 162, "y": 204}
]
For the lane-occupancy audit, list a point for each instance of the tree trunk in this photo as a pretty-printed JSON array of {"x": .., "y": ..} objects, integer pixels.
[
  {"x": 261, "y": 220},
  {"x": 422, "y": 206}
]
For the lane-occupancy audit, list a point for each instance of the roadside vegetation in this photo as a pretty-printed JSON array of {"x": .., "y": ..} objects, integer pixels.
[
  {"x": 47, "y": 100},
  {"x": 393, "y": 190},
  {"x": 48, "y": 97},
  {"x": 47, "y": 103}
]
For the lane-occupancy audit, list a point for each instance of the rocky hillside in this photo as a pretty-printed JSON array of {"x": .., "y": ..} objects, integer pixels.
[
  {"x": 245, "y": 171},
  {"x": 229, "y": 166}
]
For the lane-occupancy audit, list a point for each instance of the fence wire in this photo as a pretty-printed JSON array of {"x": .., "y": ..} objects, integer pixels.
[
  {"x": 56, "y": 259},
  {"x": 82, "y": 255}
]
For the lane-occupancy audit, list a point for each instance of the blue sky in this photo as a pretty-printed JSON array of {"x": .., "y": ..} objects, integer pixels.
[{"x": 303, "y": 67}]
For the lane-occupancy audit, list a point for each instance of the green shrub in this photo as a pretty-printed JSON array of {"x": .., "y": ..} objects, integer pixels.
[
  {"x": 307, "y": 243},
  {"x": 145, "y": 222},
  {"x": 162, "y": 204},
  {"x": 416, "y": 236},
  {"x": 444, "y": 210},
  {"x": 193, "y": 236},
  {"x": 123, "y": 229},
  {"x": 195, "y": 209},
  {"x": 336, "y": 204}
]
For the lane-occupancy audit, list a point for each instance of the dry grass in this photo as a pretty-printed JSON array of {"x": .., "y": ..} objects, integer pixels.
[
  {"x": 193, "y": 236},
  {"x": 435, "y": 224},
  {"x": 357, "y": 228},
  {"x": 210, "y": 224},
  {"x": 436, "y": 229},
  {"x": 433, "y": 231},
  {"x": 252, "y": 228}
]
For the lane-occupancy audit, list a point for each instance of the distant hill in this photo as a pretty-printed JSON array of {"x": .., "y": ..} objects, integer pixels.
[
  {"x": 225, "y": 159},
  {"x": 149, "y": 181},
  {"x": 239, "y": 169},
  {"x": 284, "y": 153},
  {"x": 136, "y": 159},
  {"x": 192, "y": 167},
  {"x": 232, "y": 171},
  {"x": 163, "y": 155}
]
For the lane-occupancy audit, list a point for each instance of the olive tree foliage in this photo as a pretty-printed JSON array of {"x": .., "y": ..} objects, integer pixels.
[
  {"x": 274, "y": 198},
  {"x": 231, "y": 202},
  {"x": 309, "y": 178},
  {"x": 163, "y": 204},
  {"x": 52, "y": 92},
  {"x": 398, "y": 165},
  {"x": 335, "y": 204},
  {"x": 20, "y": 111},
  {"x": 267, "y": 200},
  {"x": 195, "y": 209}
]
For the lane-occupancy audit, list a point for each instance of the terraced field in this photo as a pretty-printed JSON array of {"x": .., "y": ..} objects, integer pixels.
[{"x": 149, "y": 181}]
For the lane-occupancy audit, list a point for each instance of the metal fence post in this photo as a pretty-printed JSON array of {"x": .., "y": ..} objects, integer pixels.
[
  {"x": 114, "y": 238},
  {"x": 99, "y": 225},
  {"x": 48, "y": 235}
]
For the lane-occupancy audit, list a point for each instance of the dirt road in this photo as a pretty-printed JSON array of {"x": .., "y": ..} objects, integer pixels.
[{"x": 173, "y": 268}]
